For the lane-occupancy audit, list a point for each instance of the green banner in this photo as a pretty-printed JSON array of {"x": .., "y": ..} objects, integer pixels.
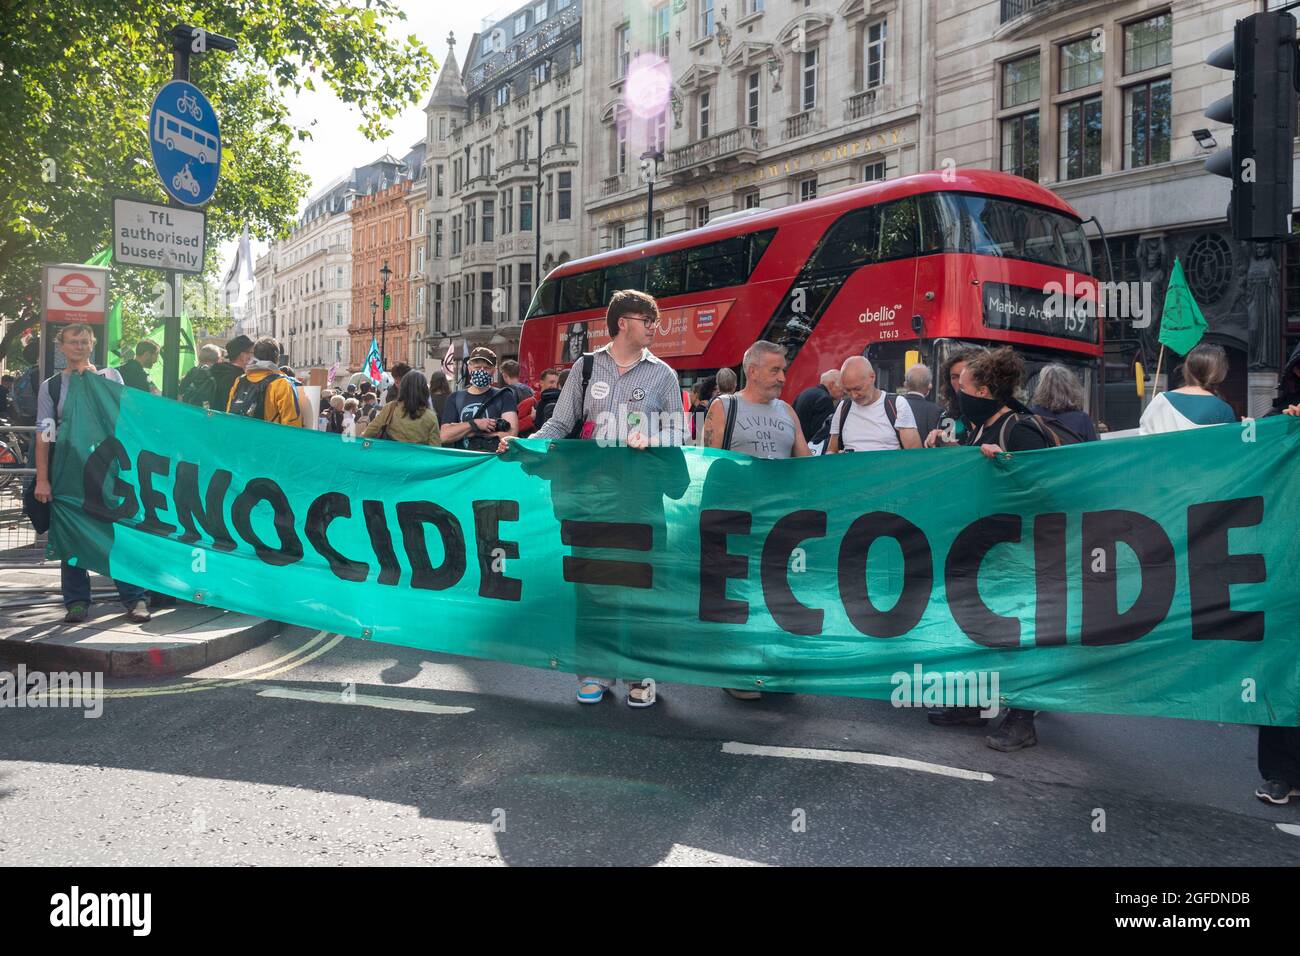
[{"x": 1134, "y": 576}]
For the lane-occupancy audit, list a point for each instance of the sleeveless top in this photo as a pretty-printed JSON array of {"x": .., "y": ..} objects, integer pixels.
[{"x": 763, "y": 431}]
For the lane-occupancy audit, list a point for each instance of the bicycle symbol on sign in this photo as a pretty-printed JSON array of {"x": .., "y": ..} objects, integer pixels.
[{"x": 188, "y": 104}]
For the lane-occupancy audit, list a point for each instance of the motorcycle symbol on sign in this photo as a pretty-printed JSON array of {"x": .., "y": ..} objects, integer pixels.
[
  {"x": 188, "y": 104},
  {"x": 185, "y": 180}
]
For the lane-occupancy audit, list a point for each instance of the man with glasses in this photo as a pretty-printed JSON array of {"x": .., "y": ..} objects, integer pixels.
[
  {"x": 868, "y": 419},
  {"x": 620, "y": 394}
]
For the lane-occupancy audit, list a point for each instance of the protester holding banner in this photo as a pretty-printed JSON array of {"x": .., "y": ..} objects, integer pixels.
[
  {"x": 408, "y": 418},
  {"x": 621, "y": 394},
  {"x": 998, "y": 423},
  {"x": 1197, "y": 403},
  {"x": 77, "y": 342},
  {"x": 756, "y": 422},
  {"x": 480, "y": 416}
]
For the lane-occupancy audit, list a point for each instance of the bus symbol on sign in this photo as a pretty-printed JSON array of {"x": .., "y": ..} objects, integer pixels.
[{"x": 186, "y": 142}]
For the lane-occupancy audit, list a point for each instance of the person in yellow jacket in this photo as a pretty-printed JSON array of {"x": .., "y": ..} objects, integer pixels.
[{"x": 263, "y": 391}]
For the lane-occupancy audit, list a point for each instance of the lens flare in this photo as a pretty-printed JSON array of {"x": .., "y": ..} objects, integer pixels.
[{"x": 645, "y": 94}]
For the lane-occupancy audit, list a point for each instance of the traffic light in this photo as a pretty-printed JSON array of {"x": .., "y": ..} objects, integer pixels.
[{"x": 1262, "y": 111}]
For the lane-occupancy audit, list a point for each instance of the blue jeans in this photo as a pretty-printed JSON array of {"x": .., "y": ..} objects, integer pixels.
[{"x": 76, "y": 587}]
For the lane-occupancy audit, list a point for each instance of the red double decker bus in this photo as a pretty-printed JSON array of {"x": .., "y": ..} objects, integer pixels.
[{"x": 924, "y": 264}]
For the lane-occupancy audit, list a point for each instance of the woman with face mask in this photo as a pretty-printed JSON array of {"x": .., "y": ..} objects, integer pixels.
[{"x": 996, "y": 421}]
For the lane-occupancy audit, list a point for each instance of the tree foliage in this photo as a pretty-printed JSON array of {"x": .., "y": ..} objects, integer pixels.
[{"x": 77, "y": 79}]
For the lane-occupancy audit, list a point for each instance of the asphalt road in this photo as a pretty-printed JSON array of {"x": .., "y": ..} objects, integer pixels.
[{"x": 294, "y": 753}]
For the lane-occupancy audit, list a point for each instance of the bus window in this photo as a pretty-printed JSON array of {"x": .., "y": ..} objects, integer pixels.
[
  {"x": 666, "y": 274},
  {"x": 628, "y": 275},
  {"x": 898, "y": 229},
  {"x": 997, "y": 227},
  {"x": 716, "y": 265},
  {"x": 758, "y": 243},
  {"x": 544, "y": 300},
  {"x": 581, "y": 291},
  {"x": 185, "y": 131},
  {"x": 852, "y": 241},
  {"x": 940, "y": 225}
]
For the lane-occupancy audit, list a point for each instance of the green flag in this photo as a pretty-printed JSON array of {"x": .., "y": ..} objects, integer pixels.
[
  {"x": 1181, "y": 323},
  {"x": 113, "y": 322}
]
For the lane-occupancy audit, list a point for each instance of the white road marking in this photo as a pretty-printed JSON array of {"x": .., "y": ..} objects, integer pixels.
[
  {"x": 853, "y": 756},
  {"x": 1291, "y": 828},
  {"x": 363, "y": 700}
]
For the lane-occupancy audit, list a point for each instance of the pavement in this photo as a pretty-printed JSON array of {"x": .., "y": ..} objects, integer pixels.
[
  {"x": 314, "y": 749},
  {"x": 179, "y": 639}
]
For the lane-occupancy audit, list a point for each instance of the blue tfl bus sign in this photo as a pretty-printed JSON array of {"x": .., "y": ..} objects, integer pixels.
[{"x": 186, "y": 142}]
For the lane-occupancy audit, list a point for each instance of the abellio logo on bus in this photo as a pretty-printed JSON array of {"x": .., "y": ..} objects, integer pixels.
[{"x": 882, "y": 314}]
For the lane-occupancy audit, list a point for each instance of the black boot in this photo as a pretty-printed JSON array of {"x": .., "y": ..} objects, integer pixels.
[
  {"x": 1016, "y": 732},
  {"x": 957, "y": 717}
]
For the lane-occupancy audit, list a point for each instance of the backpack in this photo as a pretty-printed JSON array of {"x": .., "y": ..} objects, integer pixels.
[
  {"x": 250, "y": 397},
  {"x": 198, "y": 387},
  {"x": 588, "y": 362},
  {"x": 1055, "y": 431},
  {"x": 24, "y": 397},
  {"x": 527, "y": 415},
  {"x": 891, "y": 413},
  {"x": 730, "y": 425}
]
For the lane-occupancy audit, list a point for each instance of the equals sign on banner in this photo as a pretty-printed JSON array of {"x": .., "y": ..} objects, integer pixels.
[{"x": 623, "y": 536}]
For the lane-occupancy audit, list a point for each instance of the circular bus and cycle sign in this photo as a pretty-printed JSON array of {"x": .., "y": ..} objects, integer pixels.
[{"x": 185, "y": 140}]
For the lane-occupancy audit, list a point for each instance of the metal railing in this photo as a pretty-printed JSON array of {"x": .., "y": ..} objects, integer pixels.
[
  {"x": 801, "y": 124},
  {"x": 742, "y": 139},
  {"x": 1014, "y": 8},
  {"x": 20, "y": 545},
  {"x": 866, "y": 103}
]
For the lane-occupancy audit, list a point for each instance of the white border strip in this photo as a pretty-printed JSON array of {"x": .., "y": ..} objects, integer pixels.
[
  {"x": 853, "y": 756},
  {"x": 363, "y": 700}
]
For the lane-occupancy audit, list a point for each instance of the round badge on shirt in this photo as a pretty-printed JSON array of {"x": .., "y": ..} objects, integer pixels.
[
  {"x": 638, "y": 394},
  {"x": 600, "y": 390}
]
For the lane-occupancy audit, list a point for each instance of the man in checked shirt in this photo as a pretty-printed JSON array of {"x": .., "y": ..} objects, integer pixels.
[{"x": 633, "y": 399}]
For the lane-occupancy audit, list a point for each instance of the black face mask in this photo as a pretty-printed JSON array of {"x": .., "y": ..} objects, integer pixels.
[{"x": 977, "y": 410}]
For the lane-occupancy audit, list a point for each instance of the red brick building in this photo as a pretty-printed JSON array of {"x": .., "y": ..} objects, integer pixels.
[{"x": 381, "y": 233}]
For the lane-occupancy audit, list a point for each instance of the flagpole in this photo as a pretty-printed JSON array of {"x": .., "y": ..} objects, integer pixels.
[{"x": 1155, "y": 384}]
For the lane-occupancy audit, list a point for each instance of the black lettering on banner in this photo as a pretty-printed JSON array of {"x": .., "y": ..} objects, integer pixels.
[
  {"x": 718, "y": 565},
  {"x": 241, "y": 514},
  {"x": 786, "y": 610},
  {"x": 623, "y": 536},
  {"x": 918, "y": 574},
  {"x": 148, "y": 464},
  {"x": 961, "y": 580},
  {"x": 1103, "y": 624},
  {"x": 488, "y": 516},
  {"x": 1049, "y": 580},
  {"x": 412, "y": 516},
  {"x": 323, "y": 510},
  {"x": 108, "y": 453},
  {"x": 211, "y": 514},
  {"x": 1212, "y": 570},
  {"x": 381, "y": 541}
]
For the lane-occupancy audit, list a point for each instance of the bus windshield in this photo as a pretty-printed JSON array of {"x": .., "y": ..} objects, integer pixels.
[{"x": 961, "y": 222}]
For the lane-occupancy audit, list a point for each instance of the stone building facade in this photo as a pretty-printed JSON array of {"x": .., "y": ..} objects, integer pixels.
[
  {"x": 1104, "y": 102},
  {"x": 504, "y": 177},
  {"x": 745, "y": 104}
]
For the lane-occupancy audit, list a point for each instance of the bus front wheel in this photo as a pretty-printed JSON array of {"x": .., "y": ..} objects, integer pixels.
[{"x": 171, "y": 144}]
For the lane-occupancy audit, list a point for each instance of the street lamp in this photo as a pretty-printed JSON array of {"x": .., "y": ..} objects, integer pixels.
[
  {"x": 383, "y": 328},
  {"x": 650, "y": 161}
]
